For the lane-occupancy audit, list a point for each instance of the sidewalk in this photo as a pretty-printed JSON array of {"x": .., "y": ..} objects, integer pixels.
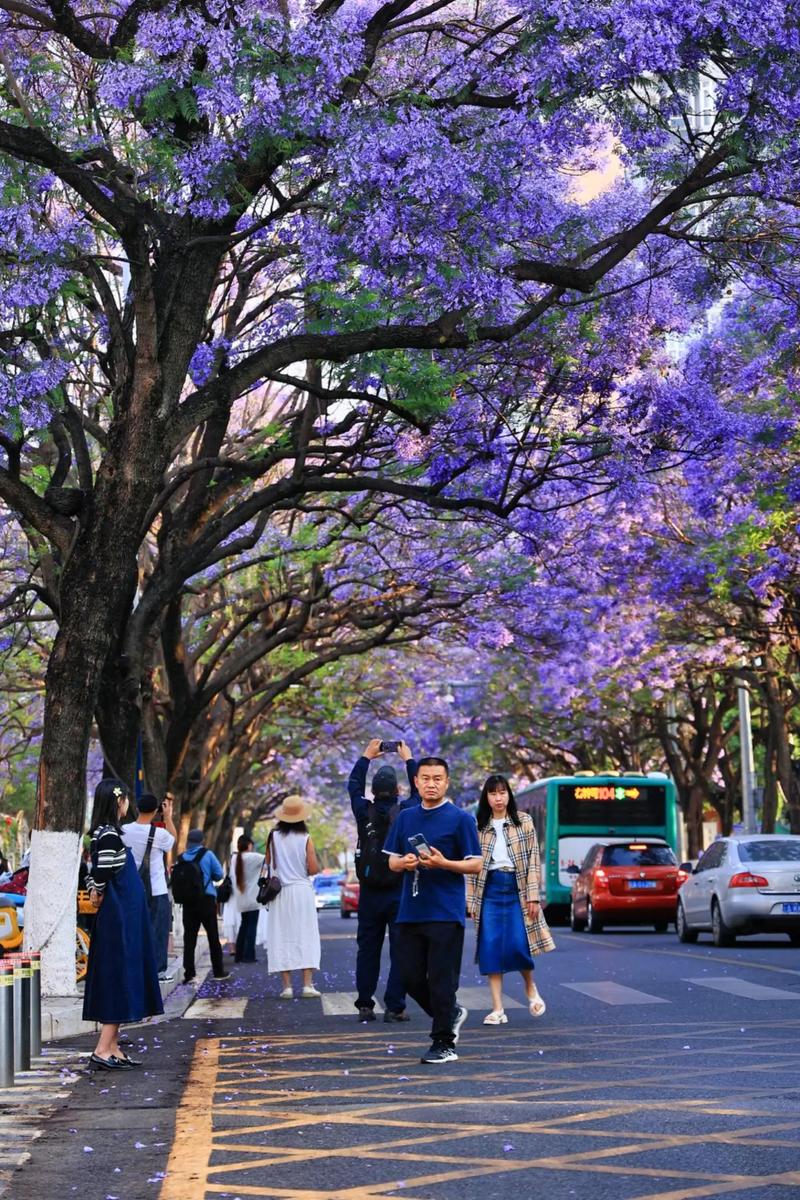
[
  {"x": 39, "y": 1094},
  {"x": 62, "y": 1015}
]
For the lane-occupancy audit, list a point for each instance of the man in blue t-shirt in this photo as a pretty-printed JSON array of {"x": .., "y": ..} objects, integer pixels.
[{"x": 434, "y": 845}]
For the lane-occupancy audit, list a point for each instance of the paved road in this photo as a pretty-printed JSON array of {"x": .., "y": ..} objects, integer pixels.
[{"x": 659, "y": 1072}]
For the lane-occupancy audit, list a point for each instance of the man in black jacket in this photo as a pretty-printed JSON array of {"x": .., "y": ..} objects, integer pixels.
[{"x": 379, "y": 894}]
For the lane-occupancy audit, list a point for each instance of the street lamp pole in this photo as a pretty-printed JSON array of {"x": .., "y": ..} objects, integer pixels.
[{"x": 748, "y": 762}]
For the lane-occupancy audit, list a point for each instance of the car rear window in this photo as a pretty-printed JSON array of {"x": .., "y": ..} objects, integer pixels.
[
  {"x": 637, "y": 856},
  {"x": 770, "y": 851}
]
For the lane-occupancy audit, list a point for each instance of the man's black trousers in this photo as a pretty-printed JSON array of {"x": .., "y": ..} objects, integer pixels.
[
  {"x": 429, "y": 954},
  {"x": 195, "y": 915},
  {"x": 377, "y": 909}
]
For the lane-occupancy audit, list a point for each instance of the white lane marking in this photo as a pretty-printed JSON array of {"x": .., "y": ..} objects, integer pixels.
[
  {"x": 614, "y": 993},
  {"x": 342, "y": 1004},
  {"x": 743, "y": 988},
  {"x": 480, "y": 999},
  {"x": 216, "y": 1008}
]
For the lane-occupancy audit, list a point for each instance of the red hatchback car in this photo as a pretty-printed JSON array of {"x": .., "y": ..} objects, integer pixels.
[
  {"x": 351, "y": 889},
  {"x": 626, "y": 881}
]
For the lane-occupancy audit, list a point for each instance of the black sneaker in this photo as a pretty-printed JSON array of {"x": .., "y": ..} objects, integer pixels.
[
  {"x": 439, "y": 1054},
  {"x": 224, "y": 975},
  {"x": 390, "y": 1017},
  {"x": 189, "y": 978},
  {"x": 366, "y": 1014},
  {"x": 461, "y": 1016}
]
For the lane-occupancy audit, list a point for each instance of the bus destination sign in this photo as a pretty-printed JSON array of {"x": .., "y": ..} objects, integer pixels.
[
  {"x": 606, "y": 793},
  {"x": 612, "y": 805}
]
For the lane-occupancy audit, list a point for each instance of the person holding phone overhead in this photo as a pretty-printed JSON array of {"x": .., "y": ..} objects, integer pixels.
[
  {"x": 379, "y": 897},
  {"x": 434, "y": 845}
]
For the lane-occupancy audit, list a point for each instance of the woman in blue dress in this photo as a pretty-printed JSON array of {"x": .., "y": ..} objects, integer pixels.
[
  {"x": 504, "y": 899},
  {"x": 121, "y": 978}
]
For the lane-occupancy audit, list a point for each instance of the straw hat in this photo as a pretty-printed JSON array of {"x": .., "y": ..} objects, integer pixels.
[{"x": 293, "y": 810}]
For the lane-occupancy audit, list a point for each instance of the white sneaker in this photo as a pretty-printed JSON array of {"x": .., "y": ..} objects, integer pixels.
[
  {"x": 310, "y": 993},
  {"x": 287, "y": 994},
  {"x": 166, "y": 976}
]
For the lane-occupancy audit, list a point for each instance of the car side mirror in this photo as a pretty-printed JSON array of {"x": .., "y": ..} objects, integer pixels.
[{"x": 687, "y": 867}]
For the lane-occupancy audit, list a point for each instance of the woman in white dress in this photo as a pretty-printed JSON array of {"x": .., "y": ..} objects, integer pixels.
[
  {"x": 293, "y": 928},
  {"x": 246, "y": 869}
]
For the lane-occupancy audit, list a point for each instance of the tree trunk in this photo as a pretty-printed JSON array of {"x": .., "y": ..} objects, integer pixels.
[
  {"x": 779, "y": 738},
  {"x": 694, "y": 820},
  {"x": 731, "y": 796},
  {"x": 118, "y": 716},
  {"x": 97, "y": 590}
]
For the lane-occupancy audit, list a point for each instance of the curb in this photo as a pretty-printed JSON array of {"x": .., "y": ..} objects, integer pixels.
[{"x": 62, "y": 1016}]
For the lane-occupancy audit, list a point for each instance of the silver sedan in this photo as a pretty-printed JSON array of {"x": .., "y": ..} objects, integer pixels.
[{"x": 744, "y": 884}]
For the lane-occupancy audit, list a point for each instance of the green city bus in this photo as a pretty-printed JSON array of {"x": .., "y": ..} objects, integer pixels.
[{"x": 571, "y": 812}]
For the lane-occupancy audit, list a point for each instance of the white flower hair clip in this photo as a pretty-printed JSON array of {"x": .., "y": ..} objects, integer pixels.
[{"x": 118, "y": 792}]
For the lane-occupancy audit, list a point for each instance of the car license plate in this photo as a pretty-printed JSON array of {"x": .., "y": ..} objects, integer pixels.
[
  {"x": 791, "y": 908},
  {"x": 644, "y": 883}
]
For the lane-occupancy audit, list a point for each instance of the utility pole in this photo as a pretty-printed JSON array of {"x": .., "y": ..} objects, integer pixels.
[{"x": 748, "y": 763}]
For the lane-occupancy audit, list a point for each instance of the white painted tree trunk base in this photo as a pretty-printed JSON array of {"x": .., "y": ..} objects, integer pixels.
[{"x": 51, "y": 906}]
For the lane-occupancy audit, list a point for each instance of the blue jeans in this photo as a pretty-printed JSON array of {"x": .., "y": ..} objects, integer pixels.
[
  {"x": 246, "y": 937},
  {"x": 160, "y": 917},
  {"x": 377, "y": 910}
]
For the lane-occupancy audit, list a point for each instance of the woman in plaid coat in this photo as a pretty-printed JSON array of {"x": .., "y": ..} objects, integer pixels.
[{"x": 504, "y": 898}]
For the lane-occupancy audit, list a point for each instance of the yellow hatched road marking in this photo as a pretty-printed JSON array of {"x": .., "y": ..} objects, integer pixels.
[{"x": 421, "y": 1143}]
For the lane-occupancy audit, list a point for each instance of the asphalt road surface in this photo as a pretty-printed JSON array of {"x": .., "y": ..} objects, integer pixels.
[{"x": 659, "y": 1072}]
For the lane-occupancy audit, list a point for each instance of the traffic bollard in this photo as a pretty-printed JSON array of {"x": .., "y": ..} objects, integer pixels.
[
  {"x": 6, "y": 1024},
  {"x": 36, "y": 1003},
  {"x": 22, "y": 1013}
]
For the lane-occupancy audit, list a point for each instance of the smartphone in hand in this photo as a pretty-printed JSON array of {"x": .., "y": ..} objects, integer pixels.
[{"x": 418, "y": 844}]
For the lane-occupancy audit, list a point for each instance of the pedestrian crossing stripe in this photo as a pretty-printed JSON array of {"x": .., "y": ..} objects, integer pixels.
[
  {"x": 743, "y": 988},
  {"x": 606, "y": 991},
  {"x": 216, "y": 1009},
  {"x": 614, "y": 993},
  {"x": 342, "y": 1004},
  {"x": 479, "y": 999}
]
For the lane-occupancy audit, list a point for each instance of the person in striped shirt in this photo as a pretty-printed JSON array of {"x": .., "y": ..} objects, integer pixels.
[{"x": 121, "y": 977}]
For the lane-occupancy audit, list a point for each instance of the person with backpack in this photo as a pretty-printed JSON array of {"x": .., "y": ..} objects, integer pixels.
[
  {"x": 193, "y": 882},
  {"x": 149, "y": 841},
  {"x": 379, "y": 895}
]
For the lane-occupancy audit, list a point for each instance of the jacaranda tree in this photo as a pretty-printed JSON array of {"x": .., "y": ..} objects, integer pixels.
[{"x": 369, "y": 204}]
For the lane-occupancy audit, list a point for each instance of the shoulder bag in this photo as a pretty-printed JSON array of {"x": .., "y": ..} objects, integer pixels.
[
  {"x": 268, "y": 885},
  {"x": 144, "y": 869}
]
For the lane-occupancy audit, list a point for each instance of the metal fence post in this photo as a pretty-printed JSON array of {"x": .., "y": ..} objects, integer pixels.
[
  {"x": 36, "y": 1003},
  {"x": 6, "y": 1024},
  {"x": 22, "y": 1013}
]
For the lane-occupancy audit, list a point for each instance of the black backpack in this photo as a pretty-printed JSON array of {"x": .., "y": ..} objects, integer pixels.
[
  {"x": 188, "y": 884},
  {"x": 372, "y": 865}
]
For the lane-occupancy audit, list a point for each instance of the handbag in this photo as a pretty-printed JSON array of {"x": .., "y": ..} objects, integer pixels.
[
  {"x": 268, "y": 885},
  {"x": 225, "y": 890}
]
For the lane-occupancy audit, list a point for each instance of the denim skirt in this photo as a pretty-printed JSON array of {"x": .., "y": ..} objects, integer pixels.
[{"x": 502, "y": 940}]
